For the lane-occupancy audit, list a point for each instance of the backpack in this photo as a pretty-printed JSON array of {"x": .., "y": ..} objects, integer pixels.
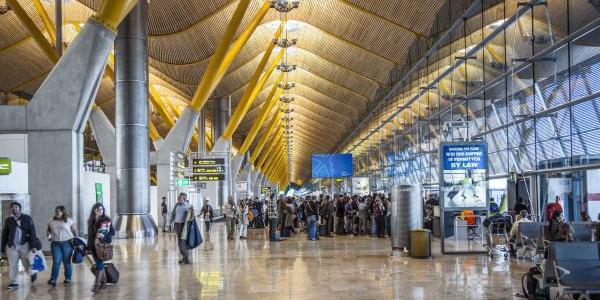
[
  {"x": 79, "y": 248},
  {"x": 530, "y": 283}
]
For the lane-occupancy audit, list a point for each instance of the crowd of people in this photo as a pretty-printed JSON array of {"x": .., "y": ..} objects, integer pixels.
[{"x": 316, "y": 216}]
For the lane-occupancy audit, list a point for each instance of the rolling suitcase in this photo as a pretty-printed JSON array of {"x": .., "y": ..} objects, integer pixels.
[
  {"x": 112, "y": 274},
  {"x": 285, "y": 232},
  {"x": 323, "y": 229}
]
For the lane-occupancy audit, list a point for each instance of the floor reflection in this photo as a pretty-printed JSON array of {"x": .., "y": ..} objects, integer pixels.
[{"x": 331, "y": 268}]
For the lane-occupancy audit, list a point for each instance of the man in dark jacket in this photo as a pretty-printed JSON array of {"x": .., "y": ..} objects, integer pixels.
[{"x": 18, "y": 238}]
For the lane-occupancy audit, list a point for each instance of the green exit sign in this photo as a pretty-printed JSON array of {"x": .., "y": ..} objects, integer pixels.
[
  {"x": 5, "y": 166},
  {"x": 183, "y": 181}
]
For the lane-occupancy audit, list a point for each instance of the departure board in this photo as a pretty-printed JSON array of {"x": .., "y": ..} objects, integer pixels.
[{"x": 208, "y": 169}]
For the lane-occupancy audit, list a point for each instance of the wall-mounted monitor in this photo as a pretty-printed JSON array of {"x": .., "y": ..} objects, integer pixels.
[{"x": 332, "y": 165}]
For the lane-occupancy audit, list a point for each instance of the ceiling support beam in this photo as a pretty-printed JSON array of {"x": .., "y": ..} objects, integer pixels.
[
  {"x": 266, "y": 109},
  {"x": 275, "y": 122},
  {"x": 35, "y": 32},
  {"x": 222, "y": 58},
  {"x": 255, "y": 85}
]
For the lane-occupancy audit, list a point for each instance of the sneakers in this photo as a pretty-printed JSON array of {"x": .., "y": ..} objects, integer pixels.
[
  {"x": 33, "y": 278},
  {"x": 52, "y": 283},
  {"x": 67, "y": 281},
  {"x": 13, "y": 286}
]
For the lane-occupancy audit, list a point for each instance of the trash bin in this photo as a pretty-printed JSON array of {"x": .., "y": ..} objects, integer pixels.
[{"x": 420, "y": 243}]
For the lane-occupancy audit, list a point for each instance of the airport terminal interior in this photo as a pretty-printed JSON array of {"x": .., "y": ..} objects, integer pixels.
[{"x": 300, "y": 149}]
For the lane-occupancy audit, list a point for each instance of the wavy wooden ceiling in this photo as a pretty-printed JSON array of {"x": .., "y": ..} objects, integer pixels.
[{"x": 345, "y": 51}]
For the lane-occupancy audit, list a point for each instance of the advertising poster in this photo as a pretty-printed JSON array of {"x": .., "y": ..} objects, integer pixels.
[
  {"x": 360, "y": 185},
  {"x": 464, "y": 175}
]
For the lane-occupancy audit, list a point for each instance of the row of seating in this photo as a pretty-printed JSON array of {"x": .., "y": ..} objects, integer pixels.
[{"x": 567, "y": 267}]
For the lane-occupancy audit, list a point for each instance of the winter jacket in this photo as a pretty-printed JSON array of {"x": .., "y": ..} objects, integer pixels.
[{"x": 28, "y": 234}]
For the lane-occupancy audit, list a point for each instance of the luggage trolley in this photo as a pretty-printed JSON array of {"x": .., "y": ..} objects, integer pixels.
[{"x": 496, "y": 234}]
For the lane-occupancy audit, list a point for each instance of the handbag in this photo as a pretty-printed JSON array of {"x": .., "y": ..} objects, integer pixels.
[{"x": 104, "y": 251}]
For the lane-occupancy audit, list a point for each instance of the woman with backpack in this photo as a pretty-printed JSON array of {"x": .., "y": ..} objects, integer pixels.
[
  {"x": 100, "y": 233},
  {"x": 61, "y": 230}
]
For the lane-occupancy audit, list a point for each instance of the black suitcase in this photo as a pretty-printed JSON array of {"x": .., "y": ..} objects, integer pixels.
[
  {"x": 285, "y": 232},
  {"x": 112, "y": 274},
  {"x": 323, "y": 229}
]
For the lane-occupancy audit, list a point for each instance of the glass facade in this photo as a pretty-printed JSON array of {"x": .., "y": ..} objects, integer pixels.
[{"x": 524, "y": 77}]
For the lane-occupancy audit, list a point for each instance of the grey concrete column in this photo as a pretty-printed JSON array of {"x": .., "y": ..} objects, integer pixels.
[
  {"x": 220, "y": 119},
  {"x": 131, "y": 126},
  {"x": 104, "y": 132},
  {"x": 202, "y": 131},
  {"x": 55, "y": 119}
]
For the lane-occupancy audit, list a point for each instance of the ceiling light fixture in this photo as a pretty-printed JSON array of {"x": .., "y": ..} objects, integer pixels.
[
  {"x": 285, "y": 43},
  {"x": 284, "y": 6},
  {"x": 286, "y": 99},
  {"x": 286, "y": 68},
  {"x": 287, "y": 85}
]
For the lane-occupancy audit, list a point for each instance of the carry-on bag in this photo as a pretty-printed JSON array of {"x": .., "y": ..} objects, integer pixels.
[{"x": 112, "y": 273}]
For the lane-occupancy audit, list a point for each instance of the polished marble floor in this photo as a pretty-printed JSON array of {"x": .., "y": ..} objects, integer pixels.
[{"x": 339, "y": 267}]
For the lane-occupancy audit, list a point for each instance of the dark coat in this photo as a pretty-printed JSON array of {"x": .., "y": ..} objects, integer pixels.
[{"x": 28, "y": 234}]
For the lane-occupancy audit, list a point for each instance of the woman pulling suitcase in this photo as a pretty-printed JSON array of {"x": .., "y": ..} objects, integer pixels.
[{"x": 100, "y": 233}]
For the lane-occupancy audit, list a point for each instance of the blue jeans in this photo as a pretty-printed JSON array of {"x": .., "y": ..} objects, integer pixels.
[
  {"x": 312, "y": 227},
  {"x": 61, "y": 254},
  {"x": 99, "y": 264}
]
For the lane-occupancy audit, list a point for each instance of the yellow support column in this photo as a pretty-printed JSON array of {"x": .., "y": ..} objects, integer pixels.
[
  {"x": 275, "y": 120},
  {"x": 237, "y": 46},
  {"x": 46, "y": 20},
  {"x": 112, "y": 12},
  {"x": 154, "y": 135},
  {"x": 159, "y": 105},
  {"x": 272, "y": 167},
  {"x": 272, "y": 143},
  {"x": 255, "y": 85},
  {"x": 36, "y": 33},
  {"x": 209, "y": 80},
  {"x": 266, "y": 109},
  {"x": 278, "y": 159}
]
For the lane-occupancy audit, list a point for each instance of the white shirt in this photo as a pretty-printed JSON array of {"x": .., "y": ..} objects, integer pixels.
[{"x": 60, "y": 231}]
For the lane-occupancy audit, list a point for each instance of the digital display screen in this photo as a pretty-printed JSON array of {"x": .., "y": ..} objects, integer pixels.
[{"x": 332, "y": 165}]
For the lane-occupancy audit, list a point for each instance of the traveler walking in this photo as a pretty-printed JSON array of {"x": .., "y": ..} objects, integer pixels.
[
  {"x": 349, "y": 216},
  {"x": 164, "y": 210},
  {"x": 178, "y": 217},
  {"x": 312, "y": 213},
  {"x": 363, "y": 215},
  {"x": 273, "y": 219},
  {"x": 61, "y": 230},
  {"x": 207, "y": 214},
  {"x": 230, "y": 214},
  {"x": 339, "y": 214},
  {"x": 379, "y": 214},
  {"x": 100, "y": 233},
  {"x": 243, "y": 219},
  {"x": 18, "y": 238}
]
